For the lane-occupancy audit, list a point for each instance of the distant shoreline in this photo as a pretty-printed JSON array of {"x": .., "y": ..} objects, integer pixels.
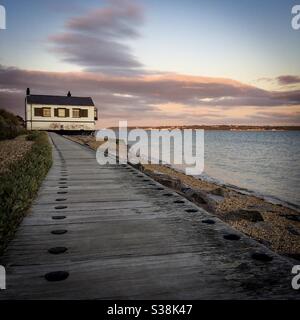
[{"x": 220, "y": 128}]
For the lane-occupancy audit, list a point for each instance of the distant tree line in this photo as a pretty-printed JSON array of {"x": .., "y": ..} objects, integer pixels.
[{"x": 222, "y": 127}]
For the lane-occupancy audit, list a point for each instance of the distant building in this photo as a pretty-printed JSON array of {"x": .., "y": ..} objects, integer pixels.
[{"x": 54, "y": 113}]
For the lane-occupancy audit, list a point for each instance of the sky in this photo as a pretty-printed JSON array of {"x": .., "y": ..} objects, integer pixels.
[{"x": 156, "y": 62}]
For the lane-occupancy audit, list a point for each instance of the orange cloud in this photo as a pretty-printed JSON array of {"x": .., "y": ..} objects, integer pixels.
[{"x": 157, "y": 98}]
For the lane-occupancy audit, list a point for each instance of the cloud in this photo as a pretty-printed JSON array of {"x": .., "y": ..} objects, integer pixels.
[
  {"x": 96, "y": 40},
  {"x": 118, "y": 20},
  {"x": 152, "y": 98},
  {"x": 288, "y": 79},
  {"x": 282, "y": 117}
]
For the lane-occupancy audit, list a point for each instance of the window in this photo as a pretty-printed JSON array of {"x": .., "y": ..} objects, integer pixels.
[
  {"x": 62, "y": 113},
  {"x": 76, "y": 113},
  {"x": 38, "y": 112},
  {"x": 96, "y": 114},
  {"x": 84, "y": 113},
  {"x": 46, "y": 112},
  {"x": 42, "y": 112}
]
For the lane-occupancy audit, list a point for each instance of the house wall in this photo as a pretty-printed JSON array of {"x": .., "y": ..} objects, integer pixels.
[{"x": 59, "y": 123}]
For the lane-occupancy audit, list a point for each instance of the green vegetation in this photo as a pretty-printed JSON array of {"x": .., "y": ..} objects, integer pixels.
[
  {"x": 19, "y": 185},
  {"x": 33, "y": 136},
  {"x": 10, "y": 125}
]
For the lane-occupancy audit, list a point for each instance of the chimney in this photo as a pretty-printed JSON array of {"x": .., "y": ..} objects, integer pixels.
[
  {"x": 28, "y": 92},
  {"x": 69, "y": 94}
]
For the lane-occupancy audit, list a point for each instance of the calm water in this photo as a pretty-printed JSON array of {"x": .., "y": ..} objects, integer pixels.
[{"x": 267, "y": 163}]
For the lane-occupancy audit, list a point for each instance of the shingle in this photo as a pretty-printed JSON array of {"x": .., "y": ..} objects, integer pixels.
[{"x": 60, "y": 100}]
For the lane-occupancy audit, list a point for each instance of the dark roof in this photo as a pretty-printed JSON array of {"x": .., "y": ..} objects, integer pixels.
[{"x": 60, "y": 100}]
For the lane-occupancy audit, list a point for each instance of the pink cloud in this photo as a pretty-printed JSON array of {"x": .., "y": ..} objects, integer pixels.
[
  {"x": 144, "y": 98},
  {"x": 288, "y": 79}
]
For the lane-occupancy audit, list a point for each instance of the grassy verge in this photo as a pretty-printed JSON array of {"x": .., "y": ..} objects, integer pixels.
[{"x": 19, "y": 185}]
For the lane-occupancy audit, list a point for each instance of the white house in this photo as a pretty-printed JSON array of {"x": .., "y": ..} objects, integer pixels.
[{"x": 43, "y": 112}]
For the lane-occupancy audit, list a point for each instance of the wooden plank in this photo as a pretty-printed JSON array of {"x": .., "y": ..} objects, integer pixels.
[{"x": 126, "y": 240}]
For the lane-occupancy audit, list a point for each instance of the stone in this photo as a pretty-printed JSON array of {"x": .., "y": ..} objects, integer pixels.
[
  {"x": 218, "y": 192},
  {"x": 243, "y": 214},
  {"x": 291, "y": 217},
  {"x": 293, "y": 231}
]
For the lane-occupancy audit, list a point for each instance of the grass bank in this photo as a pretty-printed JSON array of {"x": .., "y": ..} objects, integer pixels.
[{"x": 19, "y": 184}]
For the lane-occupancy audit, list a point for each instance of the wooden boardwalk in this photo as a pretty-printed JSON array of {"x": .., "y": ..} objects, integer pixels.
[{"x": 127, "y": 237}]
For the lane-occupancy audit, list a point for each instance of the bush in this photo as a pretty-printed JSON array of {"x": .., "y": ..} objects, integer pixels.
[
  {"x": 10, "y": 125},
  {"x": 33, "y": 136},
  {"x": 19, "y": 186}
]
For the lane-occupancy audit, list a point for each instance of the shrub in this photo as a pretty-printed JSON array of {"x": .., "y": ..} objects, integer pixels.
[
  {"x": 19, "y": 186},
  {"x": 10, "y": 125},
  {"x": 33, "y": 136}
]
